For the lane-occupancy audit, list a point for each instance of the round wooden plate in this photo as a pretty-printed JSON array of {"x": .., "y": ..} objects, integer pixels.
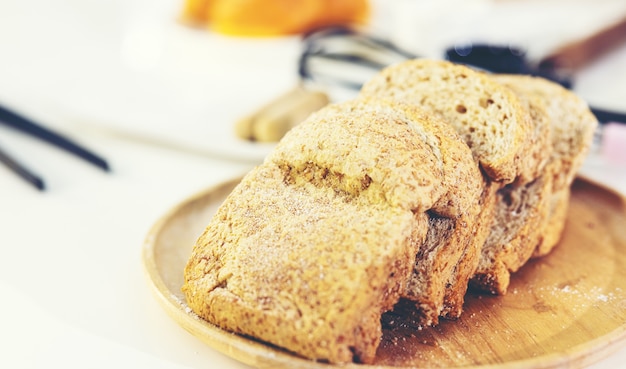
[{"x": 566, "y": 309}]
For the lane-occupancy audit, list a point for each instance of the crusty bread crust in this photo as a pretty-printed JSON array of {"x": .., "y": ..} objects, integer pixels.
[
  {"x": 521, "y": 206},
  {"x": 318, "y": 289},
  {"x": 483, "y": 111},
  {"x": 466, "y": 267},
  {"x": 490, "y": 118},
  {"x": 516, "y": 230},
  {"x": 572, "y": 124},
  {"x": 360, "y": 141},
  {"x": 571, "y": 132},
  {"x": 557, "y": 215},
  {"x": 452, "y": 221},
  {"x": 387, "y": 205},
  {"x": 316, "y": 243}
]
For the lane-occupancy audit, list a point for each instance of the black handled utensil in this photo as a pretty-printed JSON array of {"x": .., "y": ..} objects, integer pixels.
[{"x": 21, "y": 123}]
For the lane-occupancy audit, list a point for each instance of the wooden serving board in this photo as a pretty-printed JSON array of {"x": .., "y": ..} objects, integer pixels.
[{"x": 567, "y": 309}]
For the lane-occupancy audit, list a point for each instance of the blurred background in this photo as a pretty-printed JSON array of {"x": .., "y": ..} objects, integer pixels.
[
  {"x": 183, "y": 72},
  {"x": 160, "y": 89}
]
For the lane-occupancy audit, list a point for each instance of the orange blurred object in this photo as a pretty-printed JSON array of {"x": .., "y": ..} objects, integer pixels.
[
  {"x": 196, "y": 12},
  {"x": 273, "y": 17}
]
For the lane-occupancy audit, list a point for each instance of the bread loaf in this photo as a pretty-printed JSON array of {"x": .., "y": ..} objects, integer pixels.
[
  {"x": 390, "y": 204},
  {"x": 572, "y": 124},
  {"x": 482, "y": 111},
  {"x": 316, "y": 243}
]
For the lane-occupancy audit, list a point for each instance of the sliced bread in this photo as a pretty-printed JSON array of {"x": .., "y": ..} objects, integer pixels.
[
  {"x": 521, "y": 206},
  {"x": 316, "y": 243},
  {"x": 500, "y": 126},
  {"x": 554, "y": 223},
  {"x": 572, "y": 125},
  {"x": 491, "y": 119}
]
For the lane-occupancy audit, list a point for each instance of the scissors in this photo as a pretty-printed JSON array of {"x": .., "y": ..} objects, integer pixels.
[{"x": 21, "y": 123}]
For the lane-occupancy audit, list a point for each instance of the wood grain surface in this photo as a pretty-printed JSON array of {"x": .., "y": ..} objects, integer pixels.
[{"x": 567, "y": 309}]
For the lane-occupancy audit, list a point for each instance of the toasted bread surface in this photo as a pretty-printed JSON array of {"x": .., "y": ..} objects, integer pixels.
[
  {"x": 387, "y": 206},
  {"x": 490, "y": 118},
  {"x": 311, "y": 248}
]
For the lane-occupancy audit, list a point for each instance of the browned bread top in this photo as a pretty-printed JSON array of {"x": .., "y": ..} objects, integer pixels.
[
  {"x": 316, "y": 243},
  {"x": 402, "y": 155},
  {"x": 375, "y": 200},
  {"x": 302, "y": 267},
  {"x": 572, "y": 124},
  {"x": 490, "y": 117}
]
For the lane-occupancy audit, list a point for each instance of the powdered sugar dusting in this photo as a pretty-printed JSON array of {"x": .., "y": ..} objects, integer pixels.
[
  {"x": 582, "y": 297},
  {"x": 185, "y": 307}
]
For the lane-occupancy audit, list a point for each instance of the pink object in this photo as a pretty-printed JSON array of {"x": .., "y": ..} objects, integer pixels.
[{"x": 614, "y": 143}]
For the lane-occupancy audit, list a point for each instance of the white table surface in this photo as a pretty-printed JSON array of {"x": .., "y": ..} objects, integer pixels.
[{"x": 71, "y": 280}]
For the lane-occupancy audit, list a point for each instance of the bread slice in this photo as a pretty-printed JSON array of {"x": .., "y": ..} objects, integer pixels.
[
  {"x": 555, "y": 222},
  {"x": 491, "y": 119},
  {"x": 521, "y": 207},
  {"x": 487, "y": 114},
  {"x": 465, "y": 269},
  {"x": 454, "y": 237},
  {"x": 571, "y": 132},
  {"x": 364, "y": 144},
  {"x": 444, "y": 265},
  {"x": 317, "y": 242},
  {"x": 451, "y": 217},
  {"x": 572, "y": 124},
  {"x": 303, "y": 268},
  {"x": 521, "y": 211}
]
